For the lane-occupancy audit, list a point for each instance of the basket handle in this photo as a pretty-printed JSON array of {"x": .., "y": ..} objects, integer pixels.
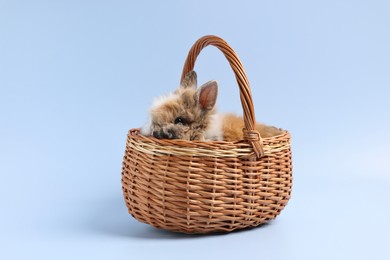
[{"x": 251, "y": 135}]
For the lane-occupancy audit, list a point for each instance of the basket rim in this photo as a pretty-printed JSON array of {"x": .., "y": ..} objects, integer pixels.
[
  {"x": 137, "y": 132},
  {"x": 178, "y": 147}
]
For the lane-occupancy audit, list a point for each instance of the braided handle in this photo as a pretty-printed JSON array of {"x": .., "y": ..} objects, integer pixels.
[{"x": 250, "y": 133}]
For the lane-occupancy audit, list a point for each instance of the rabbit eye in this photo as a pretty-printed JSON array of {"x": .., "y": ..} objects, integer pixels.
[{"x": 180, "y": 120}]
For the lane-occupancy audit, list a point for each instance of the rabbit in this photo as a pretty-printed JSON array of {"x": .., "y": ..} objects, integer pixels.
[{"x": 189, "y": 113}]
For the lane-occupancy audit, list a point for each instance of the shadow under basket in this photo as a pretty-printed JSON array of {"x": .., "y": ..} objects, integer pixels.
[{"x": 202, "y": 187}]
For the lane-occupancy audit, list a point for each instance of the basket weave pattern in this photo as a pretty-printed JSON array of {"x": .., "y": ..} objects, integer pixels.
[{"x": 201, "y": 187}]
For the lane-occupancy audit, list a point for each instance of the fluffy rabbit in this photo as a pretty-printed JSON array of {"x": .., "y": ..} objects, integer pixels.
[{"x": 189, "y": 113}]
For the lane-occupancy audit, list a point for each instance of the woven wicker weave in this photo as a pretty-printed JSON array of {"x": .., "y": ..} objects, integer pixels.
[{"x": 200, "y": 187}]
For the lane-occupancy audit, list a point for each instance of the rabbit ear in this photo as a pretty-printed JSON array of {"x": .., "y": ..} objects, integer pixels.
[
  {"x": 190, "y": 80},
  {"x": 207, "y": 95}
]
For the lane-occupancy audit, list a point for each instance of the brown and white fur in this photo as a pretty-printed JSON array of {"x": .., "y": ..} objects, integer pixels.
[{"x": 189, "y": 113}]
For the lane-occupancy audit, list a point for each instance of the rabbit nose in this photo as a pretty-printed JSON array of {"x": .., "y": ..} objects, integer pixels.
[{"x": 170, "y": 134}]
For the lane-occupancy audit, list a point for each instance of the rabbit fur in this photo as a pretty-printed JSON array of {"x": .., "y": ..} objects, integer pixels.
[{"x": 189, "y": 113}]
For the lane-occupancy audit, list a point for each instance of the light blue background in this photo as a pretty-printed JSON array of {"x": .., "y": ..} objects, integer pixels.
[{"x": 76, "y": 75}]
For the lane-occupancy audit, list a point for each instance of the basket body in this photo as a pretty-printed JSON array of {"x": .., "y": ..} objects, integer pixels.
[{"x": 201, "y": 187}]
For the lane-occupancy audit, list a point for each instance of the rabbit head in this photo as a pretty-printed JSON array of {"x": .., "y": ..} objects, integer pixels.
[{"x": 184, "y": 114}]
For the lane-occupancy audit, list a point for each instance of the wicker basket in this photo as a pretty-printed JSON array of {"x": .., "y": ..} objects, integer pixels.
[{"x": 200, "y": 187}]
